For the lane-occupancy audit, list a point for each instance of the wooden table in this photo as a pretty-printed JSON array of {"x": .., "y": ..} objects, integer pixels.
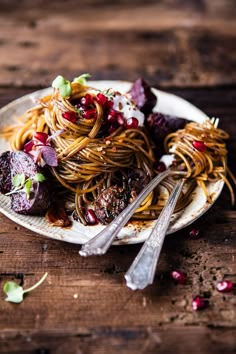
[{"x": 184, "y": 47}]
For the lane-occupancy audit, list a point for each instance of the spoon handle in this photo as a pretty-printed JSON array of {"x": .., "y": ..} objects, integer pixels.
[
  {"x": 142, "y": 271},
  {"x": 100, "y": 243}
]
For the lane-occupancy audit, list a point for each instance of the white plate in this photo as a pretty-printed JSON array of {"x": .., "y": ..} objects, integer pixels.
[{"x": 134, "y": 232}]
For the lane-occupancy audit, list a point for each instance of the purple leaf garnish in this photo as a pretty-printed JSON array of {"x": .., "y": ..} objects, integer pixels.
[{"x": 49, "y": 155}]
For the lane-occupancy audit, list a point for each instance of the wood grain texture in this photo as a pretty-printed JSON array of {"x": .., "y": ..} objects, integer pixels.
[
  {"x": 171, "y": 43},
  {"x": 188, "y": 48}
]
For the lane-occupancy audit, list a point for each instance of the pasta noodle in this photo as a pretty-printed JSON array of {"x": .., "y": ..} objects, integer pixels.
[{"x": 90, "y": 158}]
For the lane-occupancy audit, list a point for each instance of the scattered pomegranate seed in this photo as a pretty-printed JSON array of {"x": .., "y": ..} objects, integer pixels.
[
  {"x": 90, "y": 113},
  {"x": 225, "y": 286},
  {"x": 91, "y": 217},
  {"x": 198, "y": 303},
  {"x": 28, "y": 146},
  {"x": 42, "y": 137},
  {"x": 194, "y": 233},
  {"x": 70, "y": 116},
  {"x": 101, "y": 99},
  {"x": 87, "y": 100},
  {"x": 161, "y": 167},
  {"x": 131, "y": 123},
  {"x": 178, "y": 276},
  {"x": 199, "y": 145}
]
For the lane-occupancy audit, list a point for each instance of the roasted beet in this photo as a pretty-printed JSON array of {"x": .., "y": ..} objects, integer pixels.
[
  {"x": 143, "y": 96},
  {"x": 110, "y": 203},
  {"x": 5, "y": 173},
  {"x": 160, "y": 125},
  {"x": 16, "y": 163}
]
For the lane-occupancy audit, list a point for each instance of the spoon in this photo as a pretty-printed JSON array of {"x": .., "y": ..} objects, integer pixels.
[
  {"x": 142, "y": 271},
  {"x": 100, "y": 243}
]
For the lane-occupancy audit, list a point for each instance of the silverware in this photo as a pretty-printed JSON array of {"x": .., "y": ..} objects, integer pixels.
[
  {"x": 99, "y": 244},
  {"x": 142, "y": 271}
]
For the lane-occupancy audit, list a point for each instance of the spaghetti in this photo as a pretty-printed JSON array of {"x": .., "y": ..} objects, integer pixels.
[{"x": 95, "y": 152}]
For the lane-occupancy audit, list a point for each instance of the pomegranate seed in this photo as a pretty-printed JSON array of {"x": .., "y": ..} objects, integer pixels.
[
  {"x": 101, "y": 99},
  {"x": 198, "y": 303},
  {"x": 120, "y": 119},
  {"x": 113, "y": 112},
  {"x": 91, "y": 217},
  {"x": 90, "y": 113},
  {"x": 194, "y": 233},
  {"x": 199, "y": 145},
  {"x": 87, "y": 100},
  {"x": 42, "y": 137},
  {"x": 111, "y": 119},
  {"x": 225, "y": 286},
  {"x": 178, "y": 276},
  {"x": 131, "y": 123},
  {"x": 28, "y": 146},
  {"x": 161, "y": 167},
  {"x": 70, "y": 116},
  {"x": 112, "y": 116},
  {"x": 109, "y": 104}
]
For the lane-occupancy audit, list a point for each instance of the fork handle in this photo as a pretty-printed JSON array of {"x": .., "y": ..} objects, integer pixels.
[{"x": 142, "y": 271}]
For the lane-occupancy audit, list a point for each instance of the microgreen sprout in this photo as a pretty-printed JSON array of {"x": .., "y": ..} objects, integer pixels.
[
  {"x": 27, "y": 187},
  {"x": 21, "y": 184},
  {"x": 39, "y": 177},
  {"x": 15, "y": 292},
  {"x": 41, "y": 150},
  {"x": 82, "y": 79},
  {"x": 109, "y": 93},
  {"x": 63, "y": 85}
]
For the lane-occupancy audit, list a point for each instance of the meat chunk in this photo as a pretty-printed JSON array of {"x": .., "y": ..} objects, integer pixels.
[
  {"x": 143, "y": 96},
  {"x": 110, "y": 203},
  {"x": 38, "y": 201}
]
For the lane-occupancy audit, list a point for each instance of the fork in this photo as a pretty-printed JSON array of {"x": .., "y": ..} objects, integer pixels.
[
  {"x": 142, "y": 271},
  {"x": 100, "y": 243}
]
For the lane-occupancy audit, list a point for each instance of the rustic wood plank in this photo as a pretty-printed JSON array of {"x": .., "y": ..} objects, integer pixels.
[
  {"x": 177, "y": 44},
  {"x": 197, "y": 340},
  {"x": 88, "y": 290}
]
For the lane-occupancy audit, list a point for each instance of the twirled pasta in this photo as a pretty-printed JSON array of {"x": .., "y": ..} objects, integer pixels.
[{"x": 89, "y": 160}]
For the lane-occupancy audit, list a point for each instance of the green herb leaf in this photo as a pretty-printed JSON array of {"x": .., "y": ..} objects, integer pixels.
[
  {"x": 15, "y": 292},
  {"x": 109, "y": 93},
  {"x": 63, "y": 85},
  {"x": 39, "y": 177},
  {"x": 18, "y": 180},
  {"x": 82, "y": 79},
  {"x": 58, "y": 82},
  {"x": 65, "y": 90},
  {"x": 27, "y": 187}
]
